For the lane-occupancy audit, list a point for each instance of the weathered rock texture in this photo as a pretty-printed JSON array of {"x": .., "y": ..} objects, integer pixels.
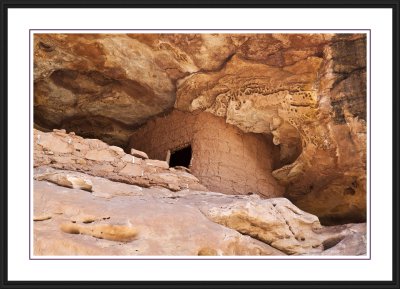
[
  {"x": 68, "y": 151},
  {"x": 121, "y": 219},
  {"x": 82, "y": 207},
  {"x": 306, "y": 90},
  {"x": 224, "y": 158},
  {"x": 130, "y": 221},
  {"x": 314, "y": 108}
]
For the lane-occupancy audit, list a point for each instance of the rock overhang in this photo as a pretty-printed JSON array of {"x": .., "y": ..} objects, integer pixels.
[{"x": 307, "y": 90}]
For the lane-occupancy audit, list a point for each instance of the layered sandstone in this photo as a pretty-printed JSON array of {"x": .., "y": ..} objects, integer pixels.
[
  {"x": 71, "y": 152},
  {"x": 307, "y": 91}
]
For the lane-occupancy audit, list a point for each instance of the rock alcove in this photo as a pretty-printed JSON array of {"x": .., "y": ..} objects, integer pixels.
[{"x": 274, "y": 114}]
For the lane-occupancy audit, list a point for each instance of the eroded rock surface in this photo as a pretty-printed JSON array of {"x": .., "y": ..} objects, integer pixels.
[
  {"x": 307, "y": 90},
  {"x": 315, "y": 108},
  {"x": 123, "y": 219},
  {"x": 69, "y": 151},
  {"x": 282, "y": 225},
  {"x": 81, "y": 209}
]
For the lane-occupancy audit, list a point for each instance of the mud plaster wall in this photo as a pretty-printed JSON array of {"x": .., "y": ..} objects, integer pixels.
[{"x": 224, "y": 158}]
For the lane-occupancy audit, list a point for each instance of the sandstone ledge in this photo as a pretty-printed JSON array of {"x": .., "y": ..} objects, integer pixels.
[
  {"x": 86, "y": 204},
  {"x": 69, "y": 151},
  {"x": 127, "y": 220}
]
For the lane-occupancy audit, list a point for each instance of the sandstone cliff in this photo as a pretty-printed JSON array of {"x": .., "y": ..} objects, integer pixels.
[{"x": 307, "y": 91}]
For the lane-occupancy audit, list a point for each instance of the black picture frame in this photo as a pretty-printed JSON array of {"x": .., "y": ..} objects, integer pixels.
[{"x": 5, "y": 158}]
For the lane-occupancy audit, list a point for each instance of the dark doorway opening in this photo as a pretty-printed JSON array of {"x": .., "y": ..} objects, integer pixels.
[{"x": 181, "y": 157}]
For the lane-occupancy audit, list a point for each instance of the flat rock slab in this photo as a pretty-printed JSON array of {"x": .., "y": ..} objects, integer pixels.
[{"x": 127, "y": 220}]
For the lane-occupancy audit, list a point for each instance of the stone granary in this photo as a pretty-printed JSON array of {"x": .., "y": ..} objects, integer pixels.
[{"x": 224, "y": 158}]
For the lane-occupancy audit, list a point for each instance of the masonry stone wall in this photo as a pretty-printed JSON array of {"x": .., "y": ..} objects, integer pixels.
[{"x": 224, "y": 158}]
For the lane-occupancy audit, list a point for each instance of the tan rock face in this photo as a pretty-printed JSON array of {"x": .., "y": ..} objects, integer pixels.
[
  {"x": 122, "y": 219},
  {"x": 275, "y": 221},
  {"x": 91, "y": 206},
  {"x": 315, "y": 109},
  {"x": 92, "y": 83},
  {"x": 306, "y": 90},
  {"x": 97, "y": 158},
  {"x": 150, "y": 222}
]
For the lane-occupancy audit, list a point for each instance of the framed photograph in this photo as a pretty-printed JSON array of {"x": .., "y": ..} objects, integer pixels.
[{"x": 201, "y": 145}]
